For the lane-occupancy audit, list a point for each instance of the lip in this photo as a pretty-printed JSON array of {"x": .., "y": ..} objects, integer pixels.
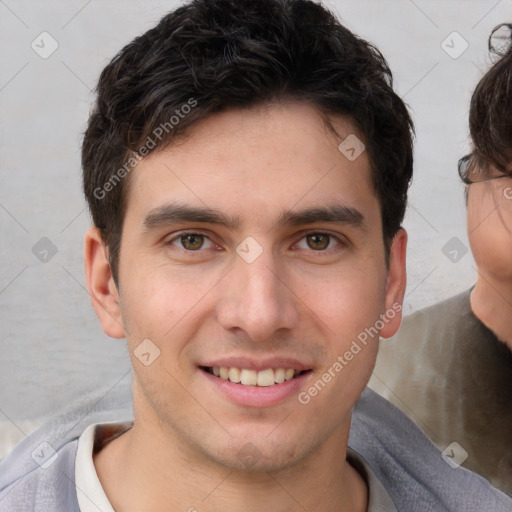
[
  {"x": 257, "y": 396},
  {"x": 258, "y": 364}
]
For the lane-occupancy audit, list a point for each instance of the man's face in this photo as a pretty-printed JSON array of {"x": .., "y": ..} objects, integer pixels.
[{"x": 253, "y": 245}]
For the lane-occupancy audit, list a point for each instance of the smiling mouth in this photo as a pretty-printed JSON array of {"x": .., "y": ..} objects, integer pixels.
[{"x": 247, "y": 377}]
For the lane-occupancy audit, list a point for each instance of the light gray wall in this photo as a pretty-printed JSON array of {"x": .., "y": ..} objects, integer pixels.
[{"x": 51, "y": 345}]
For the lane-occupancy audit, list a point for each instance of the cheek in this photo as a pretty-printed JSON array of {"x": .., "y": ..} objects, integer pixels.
[
  {"x": 167, "y": 311},
  {"x": 490, "y": 237},
  {"x": 349, "y": 306},
  {"x": 158, "y": 304},
  {"x": 491, "y": 245}
]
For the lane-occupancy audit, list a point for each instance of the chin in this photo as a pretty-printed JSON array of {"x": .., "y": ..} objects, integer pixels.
[
  {"x": 251, "y": 460},
  {"x": 258, "y": 457}
]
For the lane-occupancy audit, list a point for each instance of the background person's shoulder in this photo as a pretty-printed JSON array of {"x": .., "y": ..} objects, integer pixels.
[{"x": 413, "y": 362}]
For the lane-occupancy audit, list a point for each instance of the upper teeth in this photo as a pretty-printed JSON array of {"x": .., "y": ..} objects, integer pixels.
[{"x": 266, "y": 377}]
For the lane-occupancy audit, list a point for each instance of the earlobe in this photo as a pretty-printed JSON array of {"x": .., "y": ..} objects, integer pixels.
[
  {"x": 395, "y": 285},
  {"x": 101, "y": 286}
]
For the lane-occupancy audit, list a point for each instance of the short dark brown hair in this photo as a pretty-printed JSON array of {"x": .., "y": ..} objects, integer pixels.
[
  {"x": 211, "y": 55},
  {"x": 490, "y": 114}
]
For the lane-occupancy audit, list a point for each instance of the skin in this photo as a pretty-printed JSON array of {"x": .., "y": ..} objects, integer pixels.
[
  {"x": 489, "y": 223},
  {"x": 292, "y": 301}
]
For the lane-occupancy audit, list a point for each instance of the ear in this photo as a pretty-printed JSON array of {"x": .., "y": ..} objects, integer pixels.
[
  {"x": 395, "y": 285},
  {"x": 101, "y": 286}
]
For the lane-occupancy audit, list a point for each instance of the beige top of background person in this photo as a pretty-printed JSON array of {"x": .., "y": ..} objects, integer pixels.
[{"x": 450, "y": 374}]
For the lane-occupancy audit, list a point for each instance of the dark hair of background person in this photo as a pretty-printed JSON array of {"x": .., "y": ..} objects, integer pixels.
[
  {"x": 238, "y": 54},
  {"x": 490, "y": 115}
]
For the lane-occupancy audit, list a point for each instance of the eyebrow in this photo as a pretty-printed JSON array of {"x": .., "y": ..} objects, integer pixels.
[
  {"x": 172, "y": 213},
  {"x": 339, "y": 214}
]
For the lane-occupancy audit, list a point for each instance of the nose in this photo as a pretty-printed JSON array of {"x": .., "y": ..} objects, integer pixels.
[{"x": 257, "y": 300}]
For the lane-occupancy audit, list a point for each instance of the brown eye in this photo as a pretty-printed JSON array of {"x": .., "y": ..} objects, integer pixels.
[
  {"x": 192, "y": 242},
  {"x": 318, "y": 241}
]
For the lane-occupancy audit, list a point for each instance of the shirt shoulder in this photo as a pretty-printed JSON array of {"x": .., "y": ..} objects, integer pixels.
[
  {"x": 48, "y": 488},
  {"x": 38, "y": 474},
  {"x": 378, "y": 498},
  {"x": 412, "y": 470}
]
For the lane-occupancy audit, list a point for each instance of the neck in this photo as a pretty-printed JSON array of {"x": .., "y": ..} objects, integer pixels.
[
  {"x": 147, "y": 471},
  {"x": 491, "y": 303}
]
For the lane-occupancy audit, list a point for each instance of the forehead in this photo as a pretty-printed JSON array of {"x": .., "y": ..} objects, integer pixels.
[{"x": 257, "y": 163}]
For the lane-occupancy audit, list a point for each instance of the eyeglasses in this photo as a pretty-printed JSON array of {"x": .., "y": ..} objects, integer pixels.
[{"x": 469, "y": 173}]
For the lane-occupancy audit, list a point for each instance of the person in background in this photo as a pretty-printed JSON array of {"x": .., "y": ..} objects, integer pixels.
[{"x": 450, "y": 365}]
